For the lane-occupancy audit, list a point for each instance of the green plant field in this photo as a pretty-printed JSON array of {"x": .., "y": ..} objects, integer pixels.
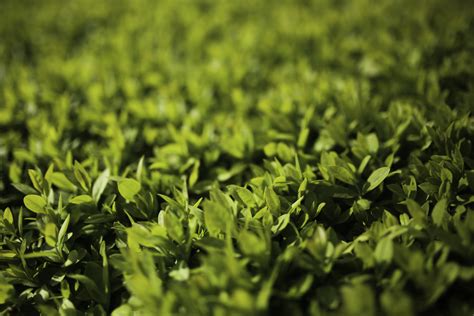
[{"x": 226, "y": 158}]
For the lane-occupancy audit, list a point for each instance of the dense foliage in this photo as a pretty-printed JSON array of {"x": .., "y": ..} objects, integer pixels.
[{"x": 237, "y": 157}]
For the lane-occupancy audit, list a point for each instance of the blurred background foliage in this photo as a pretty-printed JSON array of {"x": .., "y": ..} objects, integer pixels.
[{"x": 113, "y": 76}]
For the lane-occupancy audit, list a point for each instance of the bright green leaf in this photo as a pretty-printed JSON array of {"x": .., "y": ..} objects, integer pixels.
[
  {"x": 35, "y": 203},
  {"x": 128, "y": 188}
]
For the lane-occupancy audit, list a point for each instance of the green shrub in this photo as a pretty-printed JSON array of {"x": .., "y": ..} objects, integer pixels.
[{"x": 236, "y": 157}]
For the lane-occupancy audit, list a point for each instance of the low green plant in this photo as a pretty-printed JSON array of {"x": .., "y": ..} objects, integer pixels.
[{"x": 236, "y": 157}]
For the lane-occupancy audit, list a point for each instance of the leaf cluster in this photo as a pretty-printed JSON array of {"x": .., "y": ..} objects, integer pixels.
[{"x": 236, "y": 157}]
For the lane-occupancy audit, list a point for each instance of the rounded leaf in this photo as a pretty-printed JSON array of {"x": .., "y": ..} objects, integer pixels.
[
  {"x": 128, "y": 188},
  {"x": 35, "y": 203}
]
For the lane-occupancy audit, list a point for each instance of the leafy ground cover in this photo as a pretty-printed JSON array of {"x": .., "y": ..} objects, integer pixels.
[{"x": 236, "y": 157}]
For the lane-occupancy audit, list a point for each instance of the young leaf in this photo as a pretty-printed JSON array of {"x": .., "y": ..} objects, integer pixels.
[
  {"x": 62, "y": 182},
  {"x": 128, "y": 188},
  {"x": 82, "y": 176},
  {"x": 246, "y": 196},
  {"x": 35, "y": 203},
  {"x": 80, "y": 199},
  {"x": 63, "y": 231},
  {"x": 8, "y": 216},
  {"x": 50, "y": 231},
  {"x": 376, "y": 178},
  {"x": 343, "y": 174},
  {"x": 140, "y": 168},
  {"x": 100, "y": 184},
  {"x": 193, "y": 177}
]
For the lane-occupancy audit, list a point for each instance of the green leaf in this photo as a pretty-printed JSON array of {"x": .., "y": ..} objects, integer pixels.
[
  {"x": 415, "y": 209},
  {"x": 194, "y": 176},
  {"x": 91, "y": 287},
  {"x": 74, "y": 256},
  {"x": 439, "y": 213},
  {"x": 272, "y": 200},
  {"x": 8, "y": 216},
  {"x": 384, "y": 250},
  {"x": 140, "y": 168},
  {"x": 251, "y": 244},
  {"x": 63, "y": 231},
  {"x": 376, "y": 178},
  {"x": 50, "y": 231},
  {"x": 62, "y": 182},
  {"x": 372, "y": 143},
  {"x": 65, "y": 289},
  {"x": 82, "y": 176},
  {"x": 395, "y": 303},
  {"x": 35, "y": 179},
  {"x": 123, "y": 310},
  {"x": 283, "y": 221},
  {"x": 300, "y": 287},
  {"x": 128, "y": 188},
  {"x": 303, "y": 137},
  {"x": 80, "y": 199},
  {"x": 358, "y": 299},
  {"x": 6, "y": 290},
  {"x": 173, "y": 226},
  {"x": 216, "y": 217},
  {"x": 23, "y": 188},
  {"x": 343, "y": 174},
  {"x": 363, "y": 164},
  {"x": 246, "y": 196},
  {"x": 181, "y": 274},
  {"x": 35, "y": 203},
  {"x": 100, "y": 184}
]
